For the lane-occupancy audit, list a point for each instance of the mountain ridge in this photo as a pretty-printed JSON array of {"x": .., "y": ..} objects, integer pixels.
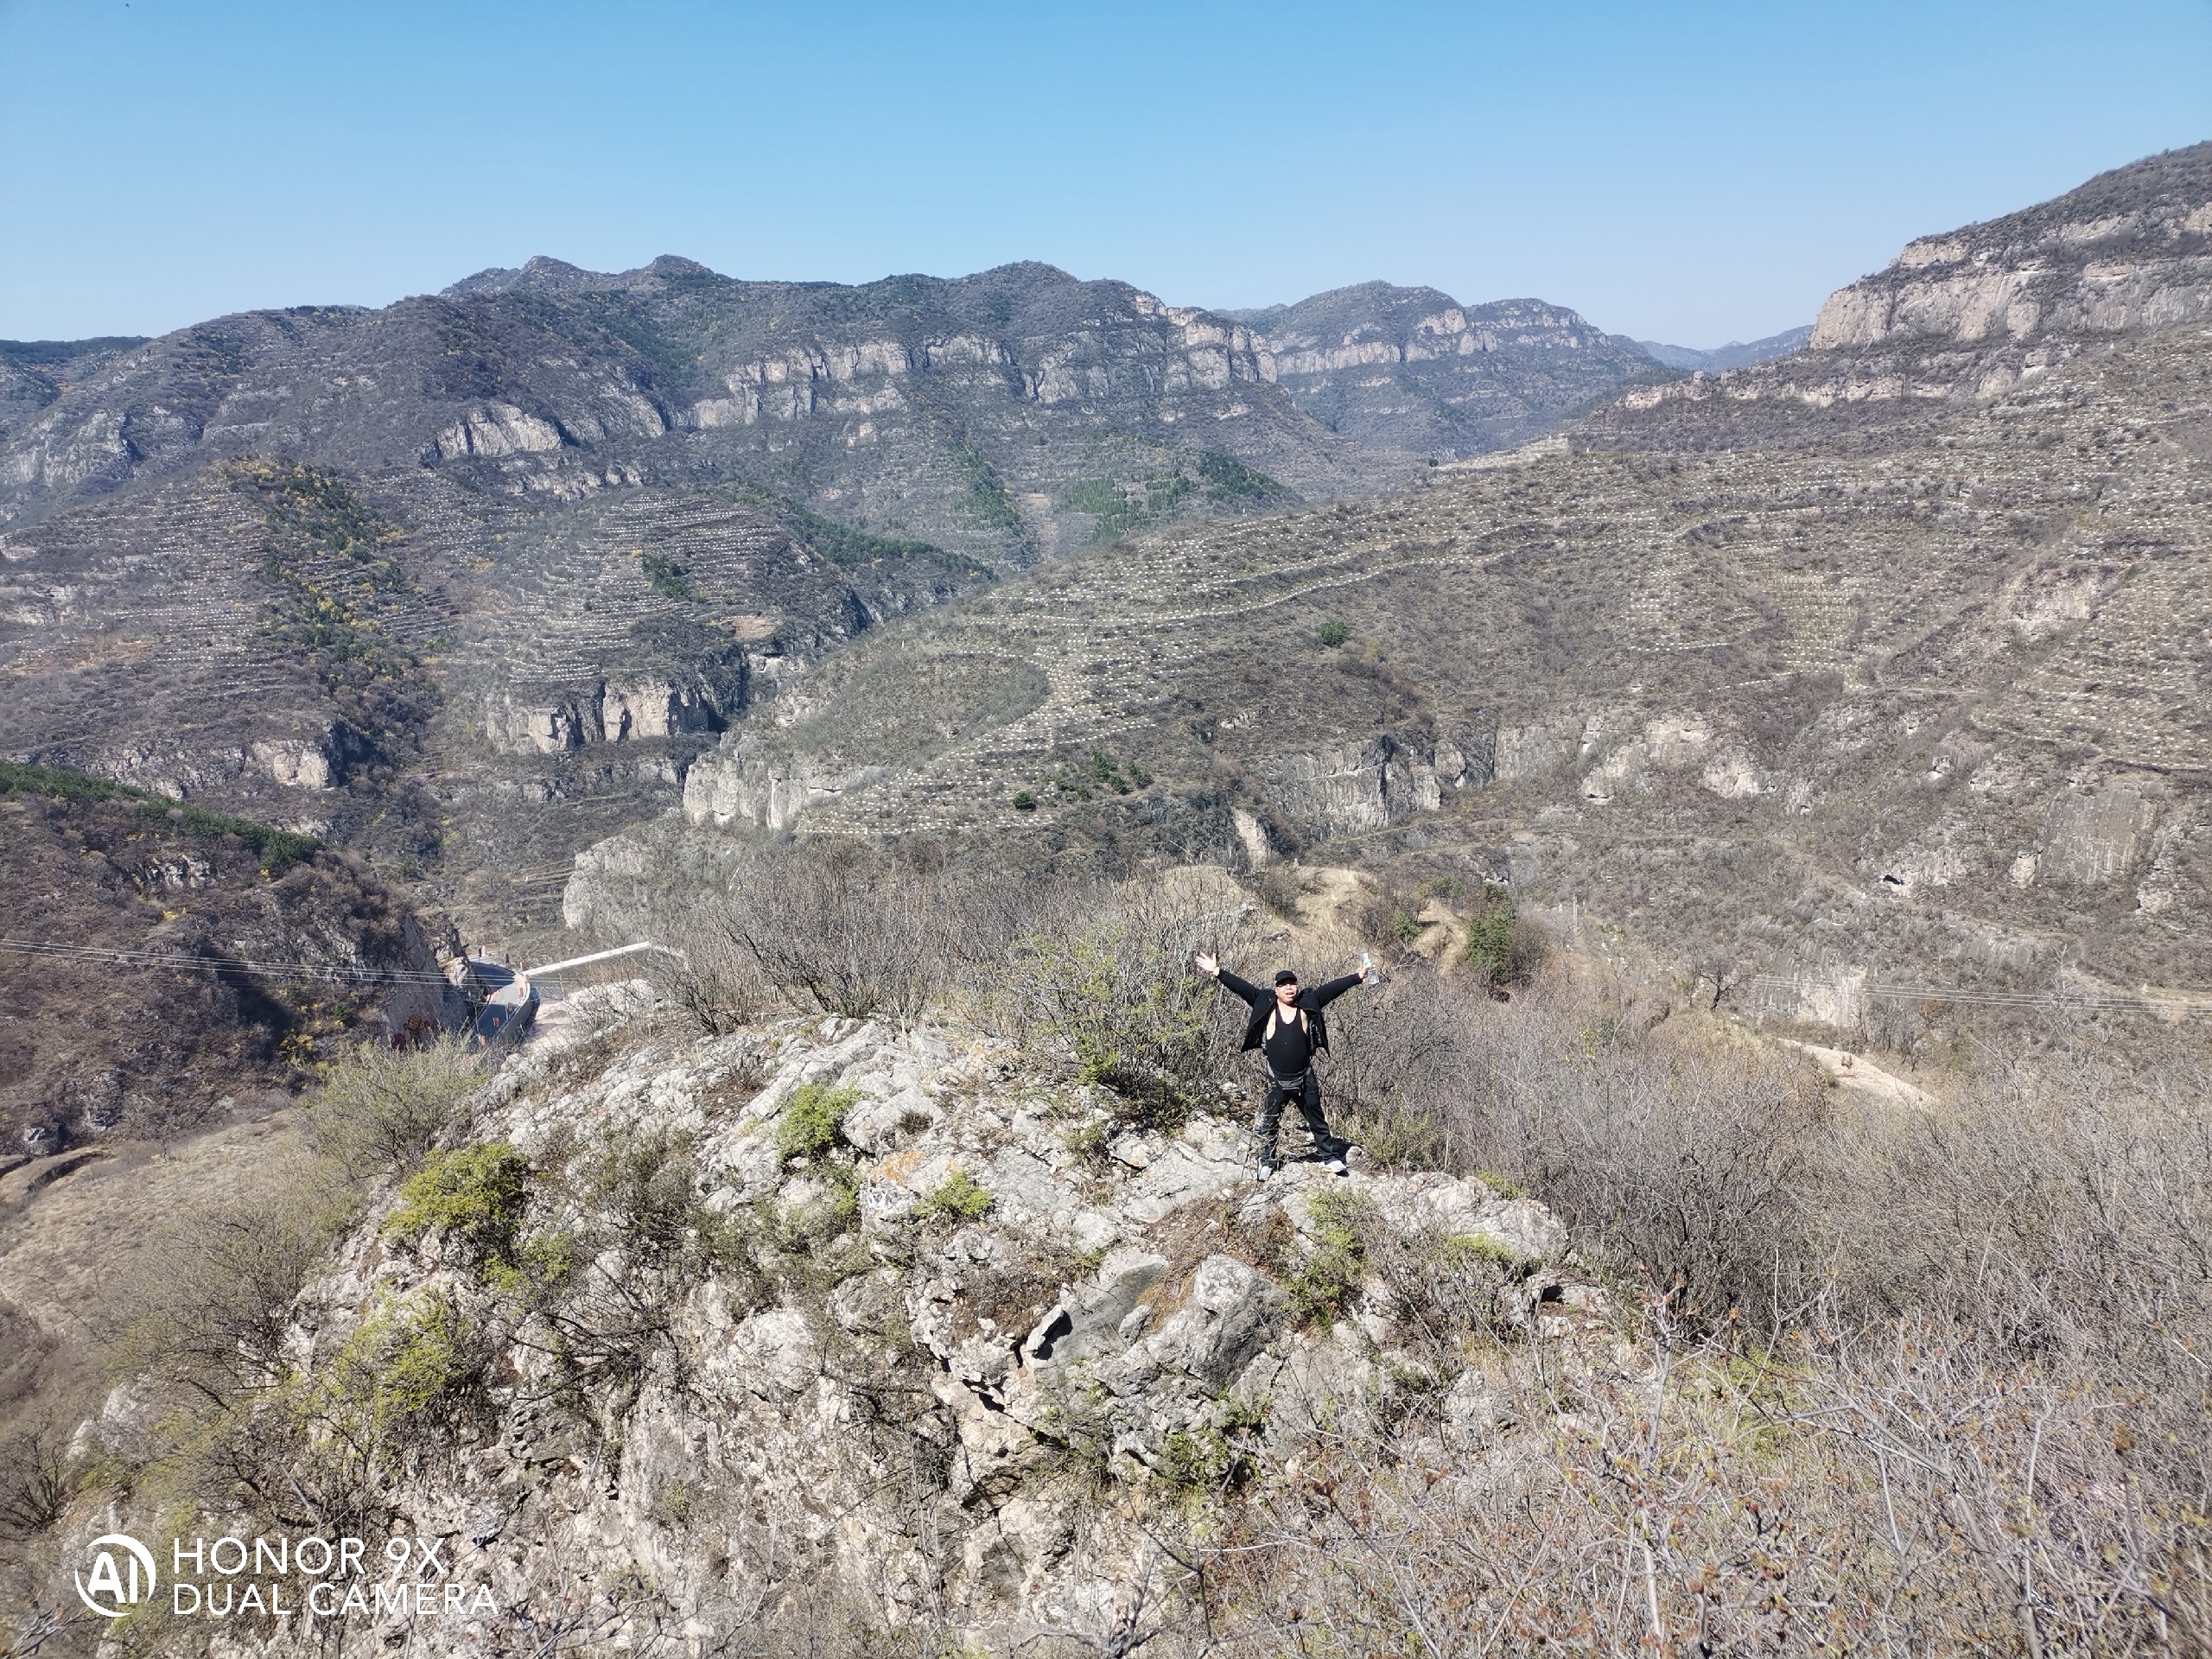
[
  {"x": 1414, "y": 369},
  {"x": 1736, "y": 354},
  {"x": 1902, "y": 666}
]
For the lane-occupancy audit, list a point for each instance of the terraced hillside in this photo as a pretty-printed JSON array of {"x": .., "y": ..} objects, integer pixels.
[
  {"x": 465, "y": 582},
  {"x": 464, "y": 686},
  {"x": 1845, "y": 689}
]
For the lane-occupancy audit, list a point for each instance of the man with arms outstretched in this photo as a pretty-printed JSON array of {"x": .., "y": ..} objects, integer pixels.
[{"x": 1287, "y": 1029}]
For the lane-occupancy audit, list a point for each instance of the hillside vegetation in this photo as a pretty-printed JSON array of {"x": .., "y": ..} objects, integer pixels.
[
  {"x": 1874, "y": 666},
  {"x": 93, "y": 1048},
  {"x": 1623, "y": 1334}
]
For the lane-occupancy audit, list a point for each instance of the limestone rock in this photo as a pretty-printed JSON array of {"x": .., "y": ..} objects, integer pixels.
[{"x": 907, "y": 1403}]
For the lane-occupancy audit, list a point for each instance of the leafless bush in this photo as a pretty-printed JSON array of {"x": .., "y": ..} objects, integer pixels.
[
  {"x": 1695, "y": 1162},
  {"x": 1896, "y": 1497},
  {"x": 714, "y": 978},
  {"x": 1104, "y": 980},
  {"x": 385, "y": 1108},
  {"x": 217, "y": 1309},
  {"x": 36, "y": 1485},
  {"x": 2057, "y": 1214},
  {"x": 211, "y": 1330},
  {"x": 847, "y": 928},
  {"x": 1400, "y": 1055}
]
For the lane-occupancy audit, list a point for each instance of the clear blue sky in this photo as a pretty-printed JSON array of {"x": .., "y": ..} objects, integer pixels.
[{"x": 1689, "y": 173}]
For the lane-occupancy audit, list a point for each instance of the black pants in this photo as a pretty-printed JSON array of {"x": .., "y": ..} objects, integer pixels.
[{"x": 1307, "y": 1090}]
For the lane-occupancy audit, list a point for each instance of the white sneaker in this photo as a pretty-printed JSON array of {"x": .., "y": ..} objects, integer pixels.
[
  {"x": 1265, "y": 1172},
  {"x": 1336, "y": 1166}
]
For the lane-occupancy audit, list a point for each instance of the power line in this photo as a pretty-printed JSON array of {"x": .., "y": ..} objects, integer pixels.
[{"x": 104, "y": 957}]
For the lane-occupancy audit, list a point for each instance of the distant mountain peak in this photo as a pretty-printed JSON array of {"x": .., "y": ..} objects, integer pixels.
[
  {"x": 1736, "y": 354},
  {"x": 542, "y": 274},
  {"x": 1415, "y": 370}
]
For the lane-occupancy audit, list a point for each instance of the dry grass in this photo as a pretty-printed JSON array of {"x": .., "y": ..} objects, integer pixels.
[{"x": 1921, "y": 1381}]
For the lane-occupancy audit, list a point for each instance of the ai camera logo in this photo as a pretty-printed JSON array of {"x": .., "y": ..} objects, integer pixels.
[{"x": 123, "y": 1575}]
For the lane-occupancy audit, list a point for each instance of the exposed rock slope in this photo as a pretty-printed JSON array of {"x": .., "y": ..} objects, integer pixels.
[
  {"x": 1853, "y": 688},
  {"x": 957, "y": 1364},
  {"x": 2130, "y": 249},
  {"x": 1975, "y": 312}
]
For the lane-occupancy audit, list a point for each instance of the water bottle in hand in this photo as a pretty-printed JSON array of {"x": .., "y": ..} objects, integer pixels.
[{"x": 1367, "y": 974}]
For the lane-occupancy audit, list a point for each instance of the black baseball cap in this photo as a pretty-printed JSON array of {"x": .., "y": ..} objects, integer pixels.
[{"x": 1286, "y": 977}]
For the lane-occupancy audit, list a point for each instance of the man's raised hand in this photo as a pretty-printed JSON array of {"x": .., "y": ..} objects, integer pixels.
[{"x": 1209, "y": 966}]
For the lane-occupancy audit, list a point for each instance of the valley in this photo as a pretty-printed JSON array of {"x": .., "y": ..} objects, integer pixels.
[
  {"x": 1764, "y": 792},
  {"x": 1877, "y": 664}
]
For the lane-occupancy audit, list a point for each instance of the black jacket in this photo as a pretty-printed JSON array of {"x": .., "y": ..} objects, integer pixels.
[{"x": 1262, "y": 1000}]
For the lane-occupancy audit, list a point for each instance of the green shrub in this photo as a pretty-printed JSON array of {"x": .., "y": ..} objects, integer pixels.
[
  {"x": 1227, "y": 479},
  {"x": 669, "y": 579},
  {"x": 1092, "y": 1143},
  {"x": 813, "y": 1121},
  {"x": 1332, "y": 633},
  {"x": 385, "y": 1108},
  {"x": 1024, "y": 801},
  {"x": 957, "y": 1198},
  {"x": 475, "y": 1196},
  {"x": 407, "y": 1371},
  {"x": 1502, "y": 948},
  {"x": 1122, "y": 504},
  {"x": 1394, "y": 1134},
  {"x": 1219, "y": 1456},
  {"x": 1332, "y": 1274},
  {"x": 1142, "y": 1033},
  {"x": 279, "y": 849}
]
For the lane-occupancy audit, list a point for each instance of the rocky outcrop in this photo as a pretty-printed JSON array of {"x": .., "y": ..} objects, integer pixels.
[
  {"x": 495, "y": 429},
  {"x": 752, "y": 781},
  {"x": 321, "y": 760},
  {"x": 2131, "y": 248},
  {"x": 997, "y": 1318},
  {"x": 1347, "y": 788},
  {"x": 613, "y": 710},
  {"x": 1981, "y": 311}
]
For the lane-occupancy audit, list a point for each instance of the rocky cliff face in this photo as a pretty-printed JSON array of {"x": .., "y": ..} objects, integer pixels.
[
  {"x": 1977, "y": 312},
  {"x": 2130, "y": 249},
  {"x": 1412, "y": 369}
]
